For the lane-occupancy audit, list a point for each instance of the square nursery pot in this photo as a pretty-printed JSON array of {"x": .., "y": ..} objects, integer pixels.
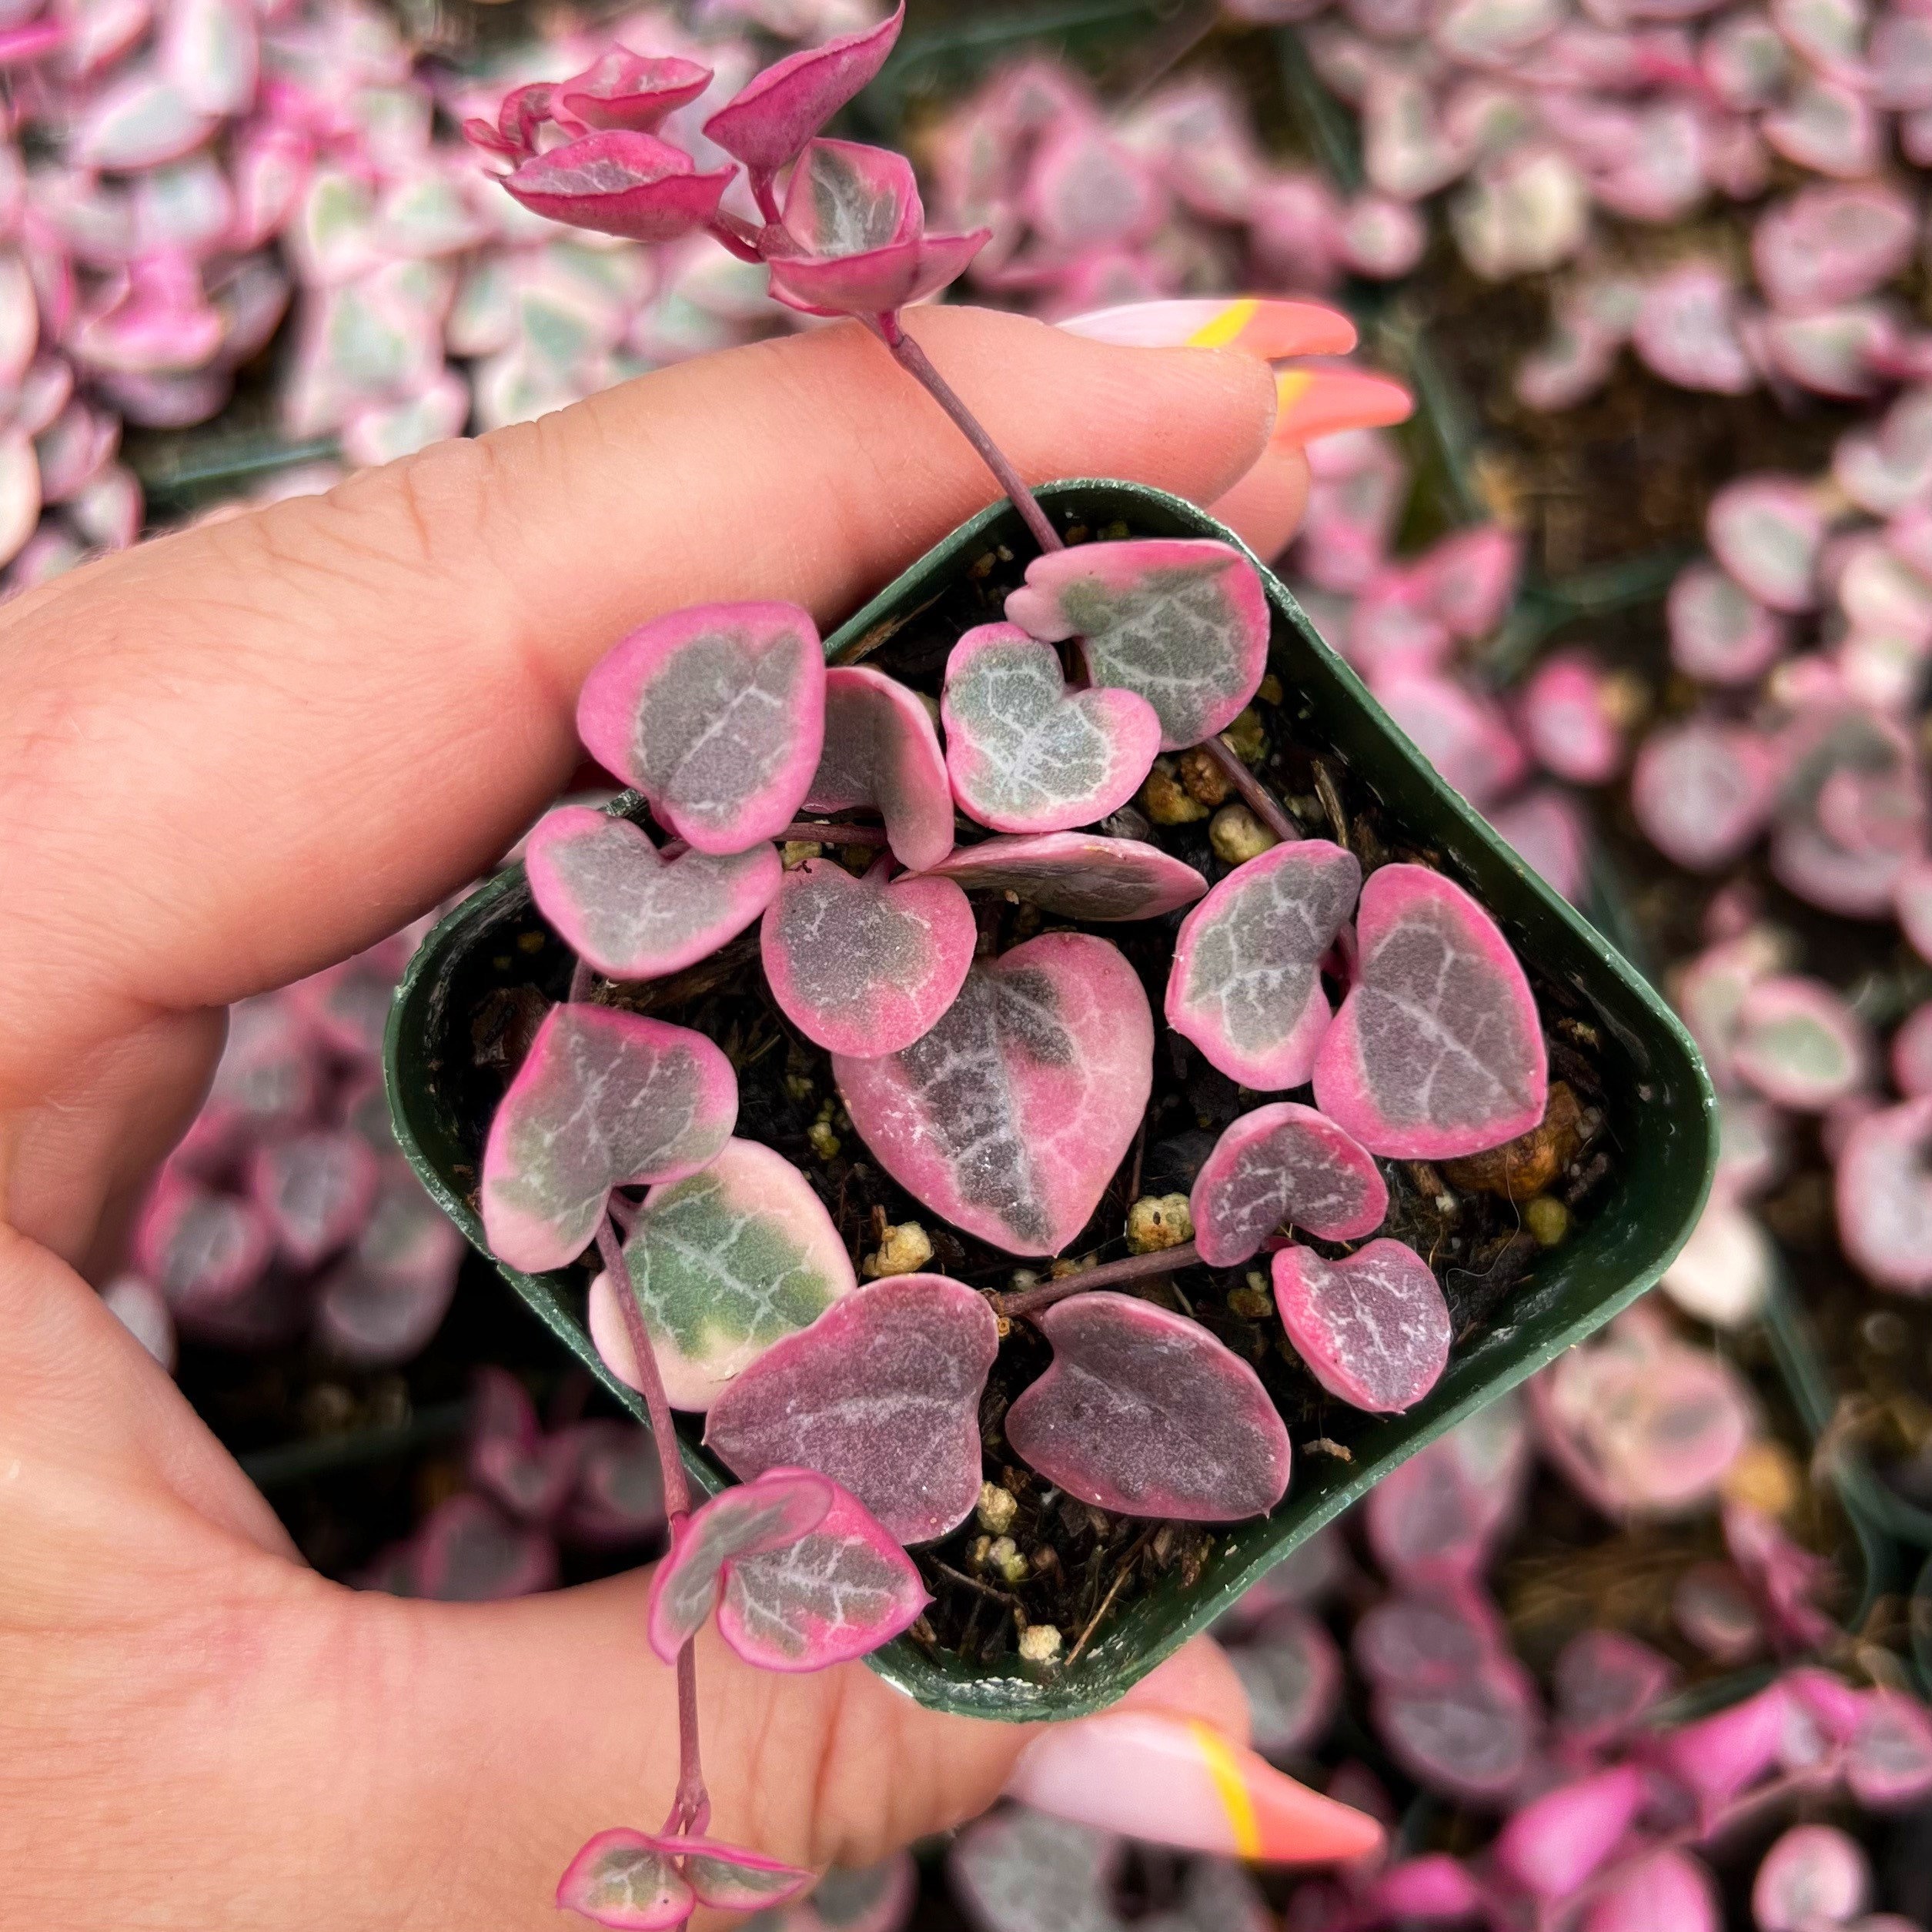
[{"x": 1660, "y": 1118}]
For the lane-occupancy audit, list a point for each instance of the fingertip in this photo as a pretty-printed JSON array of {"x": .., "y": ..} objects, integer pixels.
[
  {"x": 1197, "y": 1681},
  {"x": 1265, "y": 509}
]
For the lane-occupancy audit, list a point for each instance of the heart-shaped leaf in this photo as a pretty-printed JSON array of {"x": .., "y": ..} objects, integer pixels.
[
  {"x": 1767, "y": 532},
  {"x": 619, "y": 183},
  {"x": 878, "y": 281},
  {"x": 881, "y": 752},
  {"x": 871, "y": 1898},
  {"x": 1010, "y": 1116},
  {"x": 621, "y": 89},
  {"x": 198, "y": 1247},
  {"x": 603, "y": 1100},
  {"x": 729, "y": 1878},
  {"x": 1605, "y": 1682},
  {"x": 1814, "y": 1875},
  {"x": 1799, "y": 1043},
  {"x": 1420, "y": 1643},
  {"x": 864, "y": 967},
  {"x": 619, "y": 1498},
  {"x": 1437, "y": 1050},
  {"x": 1079, "y": 875},
  {"x": 768, "y": 1513},
  {"x": 623, "y": 1879},
  {"x": 1469, "y": 1738},
  {"x": 717, "y": 715},
  {"x": 1026, "y": 754},
  {"x": 1670, "y": 1891},
  {"x": 316, "y": 1190},
  {"x": 1551, "y": 1846},
  {"x": 1463, "y": 733},
  {"x": 772, "y": 117},
  {"x": 1719, "y": 634},
  {"x": 1883, "y": 1192},
  {"x": 847, "y": 199},
  {"x": 1283, "y": 1163},
  {"x": 468, "y": 1552},
  {"x": 1291, "y": 1672},
  {"x": 1182, "y": 621},
  {"x": 1144, "y": 1412},
  {"x": 1888, "y": 1760},
  {"x": 383, "y": 1301},
  {"x": 1373, "y": 1329},
  {"x": 1568, "y": 717},
  {"x": 723, "y": 1265},
  {"x": 629, "y": 912},
  {"x": 1438, "y": 1518},
  {"x": 1702, "y": 791},
  {"x": 1246, "y": 983},
  {"x": 881, "y": 1394},
  {"x": 1023, "y": 1870},
  {"x": 842, "y": 1590}
]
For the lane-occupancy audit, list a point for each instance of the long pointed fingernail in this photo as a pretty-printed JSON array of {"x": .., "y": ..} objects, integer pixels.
[
  {"x": 1258, "y": 325},
  {"x": 1311, "y": 402},
  {"x": 1175, "y": 1780}
]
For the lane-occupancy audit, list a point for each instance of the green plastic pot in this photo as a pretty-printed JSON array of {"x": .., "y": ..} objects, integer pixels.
[{"x": 1661, "y": 1121}]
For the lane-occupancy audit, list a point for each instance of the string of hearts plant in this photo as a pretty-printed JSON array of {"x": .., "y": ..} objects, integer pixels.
[{"x": 1003, "y": 1092}]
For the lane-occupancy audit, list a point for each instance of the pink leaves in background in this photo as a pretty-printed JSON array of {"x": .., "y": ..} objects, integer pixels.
[
  {"x": 1670, "y": 1891},
  {"x": 630, "y": 912},
  {"x": 717, "y": 715},
  {"x": 620, "y": 183},
  {"x": 1246, "y": 985},
  {"x": 1883, "y": 1191},
  {"x": 769, "y": 119},
  {"x": 1024, "y": 752},
  {"x": 1605, "y": 1682},
  {"x": 1437, "y": 1050},
  {"x": 1814, "y": 1875},
  {"x": 1570, "y": 720},
  {"x": 771, "y": 1511},
  {"x": 1799, "y": 1043},
  {"x": 1080, "y": 875},
  {"x": 881, "y": 1393},
  {"x": 1146, "y": 1413},
  {"x": 882, "y": 753},
  {"x": 864, "y": 967},
  {"x": 1010, "y": 1116},
  {"x": 622, "y": 90},
  {"x": 1291, "y": 1671},
  {"x": 604, "y": 1099},
  {"x": 1719, "y": 634},
  {"x": 1702, "y": 791},
  {"x": 1373, "y": 1328},
  {"x": 1282, "y": 1164},
  {"x": 1182, "y": 622},
  {"x": 1552, "y": 1845},
  {"x": 1767, "y": 531}
]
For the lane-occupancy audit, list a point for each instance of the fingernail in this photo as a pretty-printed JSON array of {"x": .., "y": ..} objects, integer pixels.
[
  {"x": 1258, "y": 325},
  {"x": 1175, "y": 1780},
  {"x": 1311, "y": 402}
]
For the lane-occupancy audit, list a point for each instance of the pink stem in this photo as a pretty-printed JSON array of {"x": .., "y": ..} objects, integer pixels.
[
  {"x": 801, "y": 830},
  {"x": 1163, "y": 1260},
  {"x": 916, "y": 364},
  {"x": 739, "y": 236},
  {"x": 762, "y": 192},
  {"x": 1254, "y": 794},
  {"x": 582, "y": 976}
]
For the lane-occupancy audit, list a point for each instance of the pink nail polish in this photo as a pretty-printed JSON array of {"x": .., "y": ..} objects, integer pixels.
[
  {"x": 1263, "y": 326},
  {"x": 1311, "y": 402},
  {"x": 1175, "y": 1780}
]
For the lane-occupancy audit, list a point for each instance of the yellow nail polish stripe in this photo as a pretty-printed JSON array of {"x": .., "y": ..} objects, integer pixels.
[
  {"x": 1230, "y": 1786},
  {"x": 1289, "y": 386},
  {"x": 1218, "y": 333}
]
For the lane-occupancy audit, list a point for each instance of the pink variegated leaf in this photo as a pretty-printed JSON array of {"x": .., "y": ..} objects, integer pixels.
[
  {"x": 1605, "y": 1682},
  {"x": 604, "y": 1099},
  {"x": 1283, "y": 1164},
  {"x": 1910, "y": 1055},
  {"x": 1800, "y": 1045},
  {"x": 1888, "y": 1761},
  {"x": 1719, "y": 634},
  {"x": 1814, "y": 1875},
  {"x": 869, "y": 1898},
  {"x": 730, "y": 1879},
  {"x": 1291, "y": 1671},
  {"x": 1010, "y": 1116},
  {"x": 1686, "y": 330},
  {"x": 624, "y": 1879},
  {"x": 1373, "y": 1329},
  {"x": 619, "y": 1496},
  {"x": 839, "y": 1592},
  {"x": 1767, "y": 532},
  {"x": 1899, "y": 56},
  {"x": 1912, "y": 904},
  {"x": 1079, "y": 875},
  {"x": 1439, "y": 1517},
  {"x": 468, "y": 1552},
  {"x": 1851, "y": 808},
  {"x": 1883, "y": 1187},
  {"x": 722, "y": 1265},
  {"x": 1246, "y": 986},
  {"x": 209, "y": 50},
  {"x": 1546, "y": 829},
  {"x": 1017, "y": 1869},
  {"x": 1702, "y": 790},
  {"x": 619, "y": 183},
  {"x": 266, "y": 1082},
  {"x": 717, "y": 715},
  {"x": 1025, "y": 753},
  {"x": 1182, "y": 622},
  {"x": 315, "y": 1190},
  {"x": 846, "y": 198},
  {"x": 1467, "y": 580},
  {"x": 881, "y": 1394},
  {"x": 881, "y": 753},
  {"x": 865, "y": 967},
  {"x": 1827, "y": 127},
  {"x": 1087, "y": 189},
  {"x": 622, "y": 90},
  {"x": 1570, "y": 718},
  {"x": 199, "y": 1248},
  {"x": 1421, "y": 1642},
  {"x": 530, "y": 1480},
  {"x": 629, "y": 911},
  {"x": 1556, "y": 1842},
  {"x": 1144, "y": 1412},
  {"x": 1469, "y": 1738},
  {"x": 770, "y": 118},
  {"x": 878, "y": 282},
  {"x": 1463, "y": 733},
  {"x": 139, "y": 120},
  {"x": 770, "y": 1513},
  {"x": 1437, "y": 1050},
  {"x": 1669, "y": 1891},
  {"x": 1432, "y": 1888}
]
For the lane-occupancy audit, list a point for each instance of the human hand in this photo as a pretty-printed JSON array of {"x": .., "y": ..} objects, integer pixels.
[{"x": 235, "y": 754}]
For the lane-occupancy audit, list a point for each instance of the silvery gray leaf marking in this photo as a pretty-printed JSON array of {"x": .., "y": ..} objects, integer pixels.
[
  {"x": 1026, "y": 1871},
  {"x": 629, "y": 909},
  {"x": 849, "y": 213},
  {"x": 720, "y": 727},
  {"x": 959, "y": 1073},
  {"x": 1167, "y": 640},
  {"x": 1040, "y": 749},
  {"x": 1437, "y": 1024},
  {"x": 565, "y": 1156},
  {"x": 789, "y": 1600},
  {"x": 838, "y": 942},
  {"x": 1270, "y": 1184}
]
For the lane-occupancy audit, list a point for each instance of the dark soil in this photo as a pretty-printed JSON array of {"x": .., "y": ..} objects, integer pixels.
[{"x": 1082, "y": 1565}]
